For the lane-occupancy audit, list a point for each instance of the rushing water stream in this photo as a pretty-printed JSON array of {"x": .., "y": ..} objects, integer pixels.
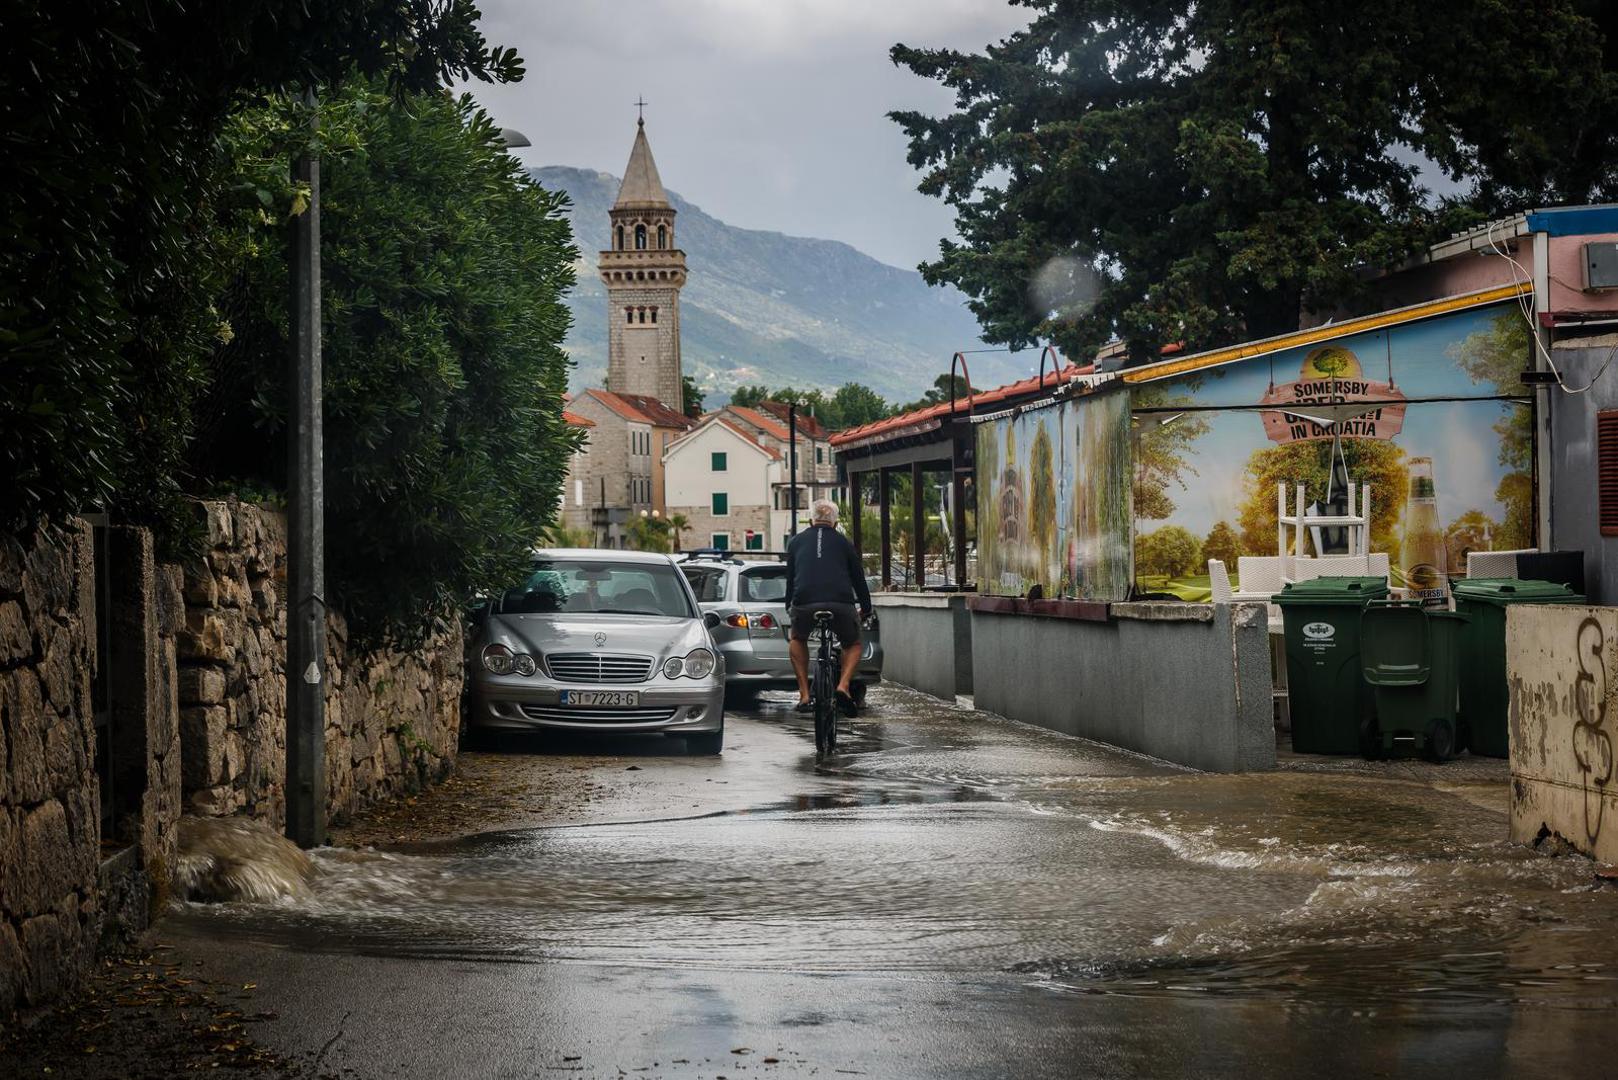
[{"x": 946, "y": 841}]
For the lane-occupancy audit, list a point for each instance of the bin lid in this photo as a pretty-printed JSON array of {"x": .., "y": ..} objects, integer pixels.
[
  {"x": 1333, "y": 590},
  {"x": 1394, "y": 647},
  {"x": 1503, "y": 591}
]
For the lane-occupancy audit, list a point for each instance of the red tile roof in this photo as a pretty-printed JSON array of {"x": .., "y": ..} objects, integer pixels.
[
  {"x": 576, "y": 420},
  {"x": 962, "y": 405},
  {"x": 643, "y": 409},
  {"x": 764, "y": 423},
  {"x": 807, "y": 424},
  {"x": 736, "y": 429}
]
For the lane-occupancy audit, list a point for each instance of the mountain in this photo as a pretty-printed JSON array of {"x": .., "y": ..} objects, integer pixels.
[{"x": 763, "y": 307}]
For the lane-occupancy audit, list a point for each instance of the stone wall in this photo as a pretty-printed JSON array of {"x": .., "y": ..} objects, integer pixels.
[
  {"x": 49, "y": 801},
  {"x": 391, "y": 717}
]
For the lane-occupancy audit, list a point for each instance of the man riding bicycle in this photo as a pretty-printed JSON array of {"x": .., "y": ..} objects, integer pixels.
[{"x": 824, "y": 574}]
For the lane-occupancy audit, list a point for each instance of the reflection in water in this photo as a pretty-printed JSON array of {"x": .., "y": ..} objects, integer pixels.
[{"x": 943, "y": 840}]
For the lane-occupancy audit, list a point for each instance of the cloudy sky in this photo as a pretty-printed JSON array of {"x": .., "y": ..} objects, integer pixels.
[{"x": 769, "y": 114}]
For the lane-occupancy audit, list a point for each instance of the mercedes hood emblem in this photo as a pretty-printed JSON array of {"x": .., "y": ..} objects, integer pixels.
[{"x": 601, "y": 638}]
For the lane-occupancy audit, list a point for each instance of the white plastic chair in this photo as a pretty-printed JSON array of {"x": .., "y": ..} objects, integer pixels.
[
  {"x": 1259, "y": 576},
  {"x": 1493, "y": 564},
  {"x": 1307, "y": 568}
]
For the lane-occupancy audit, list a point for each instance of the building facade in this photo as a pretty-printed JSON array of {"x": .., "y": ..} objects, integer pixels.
[
  {"x": 643, "y": 272},
  {"x": 720, "y": 478},
  {"x": 618, "y": 472}
]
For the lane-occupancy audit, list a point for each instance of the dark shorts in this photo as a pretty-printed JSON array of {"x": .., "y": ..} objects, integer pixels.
[{"x": 845, "y": 622}]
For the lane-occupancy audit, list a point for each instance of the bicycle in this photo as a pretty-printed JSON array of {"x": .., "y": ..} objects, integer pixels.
[{"x": 823, "y": 686}]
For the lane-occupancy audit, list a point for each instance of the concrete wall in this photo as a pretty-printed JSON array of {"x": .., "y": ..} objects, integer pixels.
[
  {"x": 1574, "y": 508},
  {"x": 926, "y": 641},
  {"x": 1189, "y": 683},
  {"x": 1562, "y": 670},
  {"x": 392, "y": 717},
  {"x": 50, "y": 828}
]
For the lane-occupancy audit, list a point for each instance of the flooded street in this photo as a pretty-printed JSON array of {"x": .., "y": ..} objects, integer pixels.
[{"x": 955, "y": 895}]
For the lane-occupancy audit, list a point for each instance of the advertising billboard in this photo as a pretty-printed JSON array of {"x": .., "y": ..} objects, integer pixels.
[{"x": 1443, "y": 435}]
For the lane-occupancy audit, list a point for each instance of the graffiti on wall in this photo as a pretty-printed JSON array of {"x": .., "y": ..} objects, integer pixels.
[
  {"x": 1592, "y": 743},
  {"x": 1054, "y": 500}
]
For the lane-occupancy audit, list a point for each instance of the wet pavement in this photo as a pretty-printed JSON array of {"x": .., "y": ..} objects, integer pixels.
[{"x": 954, "y": 895}]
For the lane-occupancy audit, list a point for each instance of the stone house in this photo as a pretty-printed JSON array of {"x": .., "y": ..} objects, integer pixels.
[
  {"x": 619, "y": 470},
  {"x": 721, "y": 478},
  {"x": 817, "y": 468}
]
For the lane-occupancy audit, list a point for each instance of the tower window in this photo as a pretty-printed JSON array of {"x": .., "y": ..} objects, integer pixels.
[
  {"x": 640, "y": 238},
  {"x": 643, "y": 316},
  {"x": 662, "y": 237},
  {"x": 629, "y": 315},
  {"x": 620, "y": 238},
  {"x": 654, "y": 316}
]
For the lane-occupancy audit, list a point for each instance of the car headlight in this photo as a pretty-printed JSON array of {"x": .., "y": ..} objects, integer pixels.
[
  {"x": 672, "y": 667},
  {"x": 523, "y": 664},
  {"x": 498, "y": 659},
  {"x": 699, "y": 663}
]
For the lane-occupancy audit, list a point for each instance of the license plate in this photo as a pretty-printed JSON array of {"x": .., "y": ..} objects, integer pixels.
[{"x": 605, "y": 698}]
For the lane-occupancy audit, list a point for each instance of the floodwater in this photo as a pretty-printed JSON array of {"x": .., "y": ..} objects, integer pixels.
[{"x": 1069, "y": 893}]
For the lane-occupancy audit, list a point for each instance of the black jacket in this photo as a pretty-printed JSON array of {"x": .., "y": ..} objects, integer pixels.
[{"x": 822, "y": 568}]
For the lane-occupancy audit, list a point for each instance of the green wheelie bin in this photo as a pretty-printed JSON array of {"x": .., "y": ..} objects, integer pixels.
[
  {"x": 1330, "y": 702},
  {"x": 1484, "y": 696},
  {"x": 1410, "y": 658}
]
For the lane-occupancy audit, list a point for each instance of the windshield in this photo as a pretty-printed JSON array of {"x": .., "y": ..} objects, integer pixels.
[
  {"x": 572, "y": 587},
  {"x": 765, "y": 586}
]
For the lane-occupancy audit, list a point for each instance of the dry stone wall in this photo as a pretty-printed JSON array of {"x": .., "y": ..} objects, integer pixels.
[
  {"x": 49, "y": 808},
  {"x": 391, "y": 717}
]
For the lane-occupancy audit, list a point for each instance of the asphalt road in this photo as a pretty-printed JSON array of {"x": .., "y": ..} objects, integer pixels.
[{"x": 955, "y": 896}]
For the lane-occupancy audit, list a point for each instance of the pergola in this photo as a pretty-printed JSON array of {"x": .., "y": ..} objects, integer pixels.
[{"x": 937, "y": 439}]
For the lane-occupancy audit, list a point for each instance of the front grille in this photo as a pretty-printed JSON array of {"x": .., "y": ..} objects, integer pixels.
[
  {"x": 576, "y": 715},
  {"x": 598, "y": 668}
]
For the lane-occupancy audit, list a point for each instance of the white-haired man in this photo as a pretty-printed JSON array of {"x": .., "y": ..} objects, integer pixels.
[{"x": 824, "y": 574}]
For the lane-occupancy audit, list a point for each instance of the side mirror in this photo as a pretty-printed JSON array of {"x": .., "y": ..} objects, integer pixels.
[{"x": 710, "y": 620}]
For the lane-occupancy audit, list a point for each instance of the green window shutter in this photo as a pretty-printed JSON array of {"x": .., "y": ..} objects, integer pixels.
[
  {"x": 721, "y": 541},
  {"x": 719, "y": 463},
  {"x": 755, "y": 541},
  {"x": 721, "y": 503}
]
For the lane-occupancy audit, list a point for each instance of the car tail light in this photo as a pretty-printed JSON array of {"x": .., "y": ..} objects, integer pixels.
[
  {"x": 737, "y": 620},
  {"x": 764, "y": 621}
]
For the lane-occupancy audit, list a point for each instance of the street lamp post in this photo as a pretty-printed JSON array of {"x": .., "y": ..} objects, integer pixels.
[{"x": 306, "y": 563}]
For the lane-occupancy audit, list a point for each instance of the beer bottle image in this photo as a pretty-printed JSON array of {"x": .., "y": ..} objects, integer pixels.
[{"x": 1422, "y": 555}]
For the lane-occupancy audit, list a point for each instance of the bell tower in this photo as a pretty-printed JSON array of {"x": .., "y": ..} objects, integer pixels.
[{"x": 643, "y": 272}]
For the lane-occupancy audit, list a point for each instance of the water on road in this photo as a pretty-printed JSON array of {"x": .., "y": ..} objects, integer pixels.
[{"x": 1068, "y": 894}]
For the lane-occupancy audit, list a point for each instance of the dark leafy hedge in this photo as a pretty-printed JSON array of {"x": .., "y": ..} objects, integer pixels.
[
  {"x": 444, "y": 269},
  {"x": 110, "y": 164}
]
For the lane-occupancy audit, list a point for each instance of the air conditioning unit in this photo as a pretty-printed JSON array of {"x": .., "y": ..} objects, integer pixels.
[{"x": 1600, "y": 265}]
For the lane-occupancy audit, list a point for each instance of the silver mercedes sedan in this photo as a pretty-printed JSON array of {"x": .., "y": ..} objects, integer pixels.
[{"x": 599, "y": 641}]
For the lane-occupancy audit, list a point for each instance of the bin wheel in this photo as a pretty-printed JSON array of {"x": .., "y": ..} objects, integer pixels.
[
  {"x": 1370, "y": 739},
  {"x": 1440, "y": 740}
]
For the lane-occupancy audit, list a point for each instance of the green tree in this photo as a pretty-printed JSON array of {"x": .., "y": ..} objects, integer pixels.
[
  {"x": 691, "y": 397},
  {"x": 113, "y": 174},
  {"x": 1171, "y": 551},
  {"x": 679, "y": 524},
  {"x": 748, "y": 397},
  {"x": 1223, "y": 544},
  {"x": 649, "y": 534},
  {"x": 1217, "y": 166},
  {"x": 444, "y": 271},
  {"x": 853, "y": 405}
]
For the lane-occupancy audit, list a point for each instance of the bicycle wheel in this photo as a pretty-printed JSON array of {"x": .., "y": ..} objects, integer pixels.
[{"x": 825, "y": 707}]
